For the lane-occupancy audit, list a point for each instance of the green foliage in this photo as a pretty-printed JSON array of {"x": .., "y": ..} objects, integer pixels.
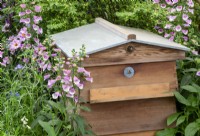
[
  {"x": 192, "y": 128},
  {"x": 48, "y": 128},
  {"x": 143, "y": 15},
  {"x": 60, "y": 15},
  {"x": 187, "y": 119},
  {"x": 167, "y": 132}
]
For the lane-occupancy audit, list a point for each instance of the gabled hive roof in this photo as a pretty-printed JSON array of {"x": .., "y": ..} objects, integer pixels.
[{"x": 103, "y": 35}]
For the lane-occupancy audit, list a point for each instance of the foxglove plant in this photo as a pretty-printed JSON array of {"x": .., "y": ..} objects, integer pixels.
[
  {"x": 62, "y": 81},
  {"x": 179, "y": 21}
]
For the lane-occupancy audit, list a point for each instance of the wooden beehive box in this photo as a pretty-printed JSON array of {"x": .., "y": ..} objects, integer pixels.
[{"x": 134, "y": 75}]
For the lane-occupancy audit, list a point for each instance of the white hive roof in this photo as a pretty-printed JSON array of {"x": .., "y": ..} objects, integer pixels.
[{"x": 103, "y": 35}]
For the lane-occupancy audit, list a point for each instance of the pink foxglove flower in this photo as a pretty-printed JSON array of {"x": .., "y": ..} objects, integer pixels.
[
  {"x": 156, "y": 27},
  {"x": 2, "y": 64},
  {"x": 198, "y": 73},
  {"x": 87, "y": 74},
  {"x": 72, "y": 91},
  {"x": 185, "y": 32},
  {"x": 76, "y": 80},
  {"x": 51, "y": 83},
  {"x": 81, "y": 70},
  {"x": 168, "y": 26},
  {"x": 171, "y": 38},
  {"x": 156, "y": 1},
  {"x": 66, "y": 88},
  {"x": 166, "y": 35},
  {"x": 6, "y": 60},
  {"x": 28, "y": 11},
  {"x": 22, "y": 14},
  {"x": 189, "y": 21},
  {"x": 173, "y": 10},
  {"x": 163, "y": 5},
  {"x": 36, "y": 19},
  {"x": 45, "y": 56},
  {"x": 25, "y": 60},
  {"x": 23, "y": 6},
  {"x": 184, "y": 17},
  {"x": 56, "y": 95},
  {"x": 171, "y": 18},
  {"x": 36, "y": 40},
  {"x": 195, "y": 52},
  {"x": 89, "y": 79},
  {"x": 49, "y": 66},
  {"x": 191, "y": 11},
  {"x": 178, "y": 28},
  {"x": 190, "y": 3},
  {"x": 169, "y": 2},
  {"x": 44, "y": 67},
  {"x": 37, "y": 8},
  {"x": 80, "y": 86},
  {"x": 185, "y": 38},
  {"x": 66, "y": 72},
  {"x": 1, "y": 54},
  {"x": 47, "y": 76},
  {"x": 35, "y": 27},
  {"x": 53, "y": 54},
  {"x": 186, "y": 25},
  {"x": 58, "y": 78},
  {"x": 76, "y": 99},
  {"x": 174, "y": 1},
  {"x": 160, "y": 31},
  {"x": 172, "y": 33},
  {"x": 179, "y": 8},
  {"x": 15, "y": 44},
  {"x": 23, "y": 34},
  {"x": 69, "y": 95},
  {"x": 40, "y": 31}
]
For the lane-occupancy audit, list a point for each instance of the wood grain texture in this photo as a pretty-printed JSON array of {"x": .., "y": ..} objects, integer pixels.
[
  {"x": 146, "y": 73},
  {"x": 123, "y": 93},
  {"x": 129, "y": 116},
  {"x": 114, "y": 28},
  {"x": 146, "y": 133},
  {"x": 142, "y": 53}
]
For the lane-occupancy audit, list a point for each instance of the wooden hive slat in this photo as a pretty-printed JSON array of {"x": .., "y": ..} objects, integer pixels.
[
  {"x": 145, "y": 74},
  {"x": 142, "y": 54},
  {"x": 129, "y": 116},
  {"x": 130, "y": 92}
]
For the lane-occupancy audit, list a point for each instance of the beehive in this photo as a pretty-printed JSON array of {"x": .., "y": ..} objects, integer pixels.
[{"x": 134, "y": 74}]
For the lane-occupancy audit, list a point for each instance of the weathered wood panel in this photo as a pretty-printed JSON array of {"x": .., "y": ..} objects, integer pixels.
[
  {"x": 146, "y": 73},
  {"x": 129, "y": 116},
  {"x": 130, "y": 92},
  {"x": 142, "y": 53},
  {"x": 146, "y": 133}
]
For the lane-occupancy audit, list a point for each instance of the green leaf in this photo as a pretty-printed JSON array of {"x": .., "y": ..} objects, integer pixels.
[
  {"x": 181, "y": 99},
  {"x": 85, "y": 108},
  {"x": 57, "y": 105},
  {"x": 80, "y": 124},
  {"x": 167, "y": 132},
  {"x": 192, "y": 129},
  {"x": 180, "y": 120},
  {"x": 35, "y": 122},
  {"x": 190, "y": 88},
  {"x": 49, "y": 129},
  {"x": 190, "y": 70},
  {"x": 197, "y": 87},
  {"x": 186, "y": 80},
  {"x": 172, "y": 118}
]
